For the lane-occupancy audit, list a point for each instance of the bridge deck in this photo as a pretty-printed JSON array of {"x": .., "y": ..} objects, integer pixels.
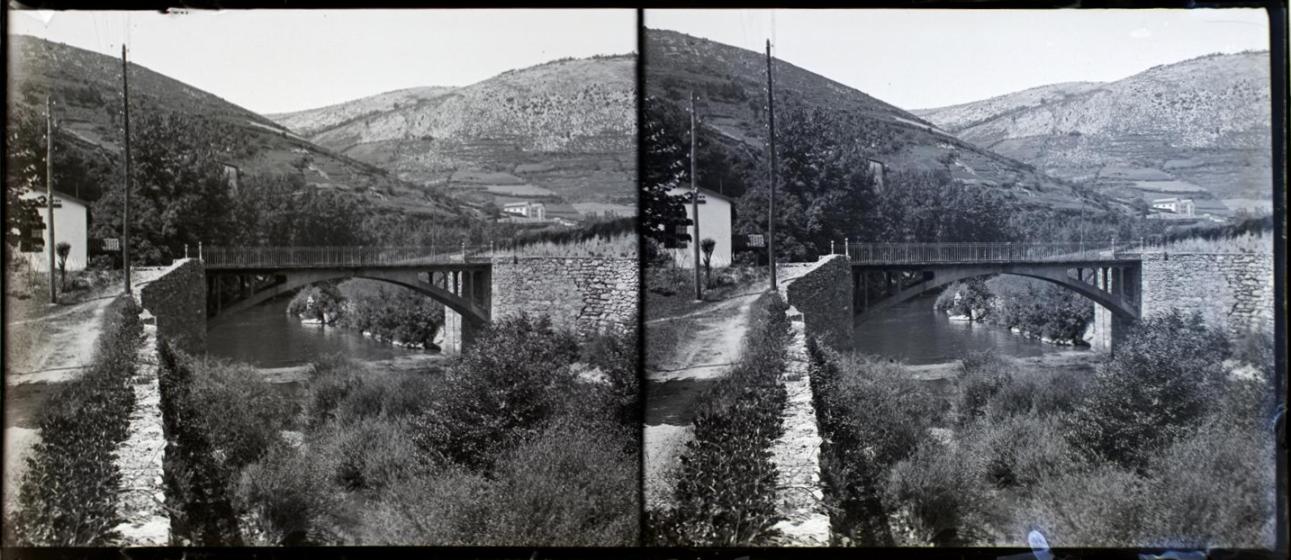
[
  {"x": 303, "y": 258},
  {"x": 916, "y": 254}
]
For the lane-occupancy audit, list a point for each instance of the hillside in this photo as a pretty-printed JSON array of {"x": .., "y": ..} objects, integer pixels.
[
  {"x": 563, "y": 133},
  {"x": 86, "y": 92},
  {"x": 730, "y": 83},
  {"x": 1198, "y": 128}
]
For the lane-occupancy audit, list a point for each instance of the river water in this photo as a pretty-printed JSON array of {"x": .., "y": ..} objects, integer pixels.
[
  {"x": 266, "y": 336},
  {"x": 915, "y": 333}
]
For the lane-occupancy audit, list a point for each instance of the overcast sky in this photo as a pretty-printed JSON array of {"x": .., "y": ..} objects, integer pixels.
[
  {"x": 275, "y": 61},
  {"x": 919, "y": 59}
]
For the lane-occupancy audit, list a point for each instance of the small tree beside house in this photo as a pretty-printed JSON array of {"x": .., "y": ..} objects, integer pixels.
[
  {"x": 707, "y": 245},
  {"x": 63, "y": 249}
]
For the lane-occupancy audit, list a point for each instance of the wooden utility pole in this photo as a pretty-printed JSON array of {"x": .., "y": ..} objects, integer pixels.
[
  {"x": 125, "y": 207},
  {"x": 694, "y": 198},
  {"x": 771, "y": 144},
  {"x": 49, "y": 194}
]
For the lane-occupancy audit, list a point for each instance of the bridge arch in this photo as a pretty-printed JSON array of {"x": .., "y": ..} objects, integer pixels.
[{"x": 1120, "y": 307}]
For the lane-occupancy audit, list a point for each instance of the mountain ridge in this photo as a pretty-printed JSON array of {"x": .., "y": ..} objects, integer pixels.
[{"x": 1198, "y": 127}]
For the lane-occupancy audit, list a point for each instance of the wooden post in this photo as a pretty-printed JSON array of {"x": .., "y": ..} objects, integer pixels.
[
  {"x": 49, "y": 194},
  {"x": 694, "y": 199},
  {"x": 771, "y": 145},
  {"x": 125, "y": 207}
]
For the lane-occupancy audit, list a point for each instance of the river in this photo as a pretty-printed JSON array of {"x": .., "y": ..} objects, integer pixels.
[
  {"x": 266, "y": 337},
  {"x": 915, "y": 333}
]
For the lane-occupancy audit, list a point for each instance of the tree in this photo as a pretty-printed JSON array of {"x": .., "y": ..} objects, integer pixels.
[
  {"x": 179, "y": 194},
  {"x": 1163, "y": 379},
  {"x": 664, "y": 166},
  {"x": 63, "y": 249},
  {"x": 707, "y": 246}
]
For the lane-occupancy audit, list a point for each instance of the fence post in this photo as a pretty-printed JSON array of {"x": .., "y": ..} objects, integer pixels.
[{"x": 199, "y": 250}]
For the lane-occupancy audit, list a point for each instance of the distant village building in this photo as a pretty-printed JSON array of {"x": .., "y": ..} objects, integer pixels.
[
  {"x": 1180, "y": 206},
  {"x": 526, "y": 209},
  {"x": 71, "y": 225},
  {"x": 714, "y": 223}
]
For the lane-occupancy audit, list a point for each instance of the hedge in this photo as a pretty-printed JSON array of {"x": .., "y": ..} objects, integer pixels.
[
  {"x": 68, "y": 495},
  {"x": 726, "y": 487}
]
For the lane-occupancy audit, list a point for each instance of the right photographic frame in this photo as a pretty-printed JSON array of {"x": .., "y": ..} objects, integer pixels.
[{"x": 966, "y": 278}]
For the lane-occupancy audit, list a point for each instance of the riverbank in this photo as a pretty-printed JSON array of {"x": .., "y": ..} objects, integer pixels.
[{"x": 398, "y": 364}]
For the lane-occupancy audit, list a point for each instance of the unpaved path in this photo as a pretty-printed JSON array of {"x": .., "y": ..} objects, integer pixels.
[
  {"x": 712, "y": 344},
  {"x": 46, "y": 346}
]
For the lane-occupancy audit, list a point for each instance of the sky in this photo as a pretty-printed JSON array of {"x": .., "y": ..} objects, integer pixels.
[
  {"x": 917, "y": 59},
  {"x": 273, "y": 61}
]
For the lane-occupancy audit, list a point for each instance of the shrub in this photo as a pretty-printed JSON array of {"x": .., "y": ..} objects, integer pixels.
[
  {"x": 726, "y": 487},
  {"x": 617, "y": 356},
  {"x": 1214, "y": 488},
  {"x": 500, "y": 391},
  {"x": 286, "y": 499},
  {"x": 982, "y": 376},
  {"x": 1097, "y": 507},
  {"x": 445, "y": 508},
  {"x": 238, "y": 412},
  {"x": 1159, "y": 385},
  {"x": 68, "y": 495},
  {"x": 316, "y": 301},
  {"x": 943, "y": 491},
  {"x": 872, "y": 415},
  {"x": 570, "y": 486},
  {"x": 331, "y": 380},
  {"x": 369, "y": 453},
  {"x": 197, "y": 482},
  {"x": 1022, "y": 451}
]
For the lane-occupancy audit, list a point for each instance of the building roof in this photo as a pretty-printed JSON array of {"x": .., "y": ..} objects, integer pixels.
[
  {"x": 705, "y": 192},
  {"x": 57, "y": 194}
]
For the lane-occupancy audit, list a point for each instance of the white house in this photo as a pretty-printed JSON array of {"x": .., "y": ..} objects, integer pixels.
[
  {"x": 1181, "y": 206},
  {"x": 714, "y": 223},
  {"x": 526, "y": 209},
  {"x": 71, "y": 225}
]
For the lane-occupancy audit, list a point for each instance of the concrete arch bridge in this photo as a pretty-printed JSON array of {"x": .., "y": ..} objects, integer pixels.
[{"x": 885, "y": 274}]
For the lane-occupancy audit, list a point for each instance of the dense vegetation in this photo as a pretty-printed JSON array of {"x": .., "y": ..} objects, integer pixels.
[
  {"x": 528, "y": 438},
  {"x": 1166, "y": 445},
  {"x": 1035, "y": 308},
  {"x": 68, "y": 496},
  {"x": 726, "y": 486}
]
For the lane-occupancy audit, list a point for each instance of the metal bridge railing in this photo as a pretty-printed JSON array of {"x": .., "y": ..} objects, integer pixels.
[
  {"x": 318, "y": 257},
  {"x": 933, "y": 253}
]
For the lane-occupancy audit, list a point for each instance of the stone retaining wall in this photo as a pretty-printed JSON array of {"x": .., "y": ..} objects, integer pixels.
[
  {"x": 588, "y": 294},
  {"x": 177, "y": 298},
  {"x": 824, "y": 295},
  {"x": 141, "y": 500},
  {"x": 1231, "y": 290}
]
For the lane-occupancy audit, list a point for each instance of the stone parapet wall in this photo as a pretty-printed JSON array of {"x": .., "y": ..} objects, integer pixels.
[
  {"x": 800, "y": 498},
  {"x": 823, "y": 293},
  {"x": 141, "y": 499},
  {"x": 177, "y": 299},
  {"x": 1233, "y": 291},
  {"x": 588, "y": 294}
]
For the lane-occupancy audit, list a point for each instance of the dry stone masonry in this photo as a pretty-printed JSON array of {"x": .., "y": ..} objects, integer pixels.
[
  {"x": 824, "y": 295},
  {"x": 177, "y": 298},
  {"x": 1231, "y": 290},
  {"x": 141, "y": 501},
  {"x": 588, "y": 294}
]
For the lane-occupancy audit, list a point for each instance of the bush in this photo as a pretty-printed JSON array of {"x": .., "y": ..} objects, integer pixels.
[
  {"x": 370, "y": 453},
  {"x": 286, "y": 499},
  {"x": 1159, "y": 385},
  {"x": 445, "y": 508},
  {"x": 944, "y": 495},
  {"x": 68, "y": 495},
  {"x": 982, "y": 376},
  {"x": 332, "y": 379},
  {"x": 872, "y": 415},
  {"x": 501, "y": 390},
  {"x": 197, "y": 482},
  {"x": 726, "y": 487},
  {"x": 1022, "y": 451},
  {"x": 1097, "y": 507},
  {"x": 237, "y": 411}
]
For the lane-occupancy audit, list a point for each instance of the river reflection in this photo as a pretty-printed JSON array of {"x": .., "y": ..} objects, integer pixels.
[
  {"x": 265, "y": 336},
  {"x": 915, "y": 333}
]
